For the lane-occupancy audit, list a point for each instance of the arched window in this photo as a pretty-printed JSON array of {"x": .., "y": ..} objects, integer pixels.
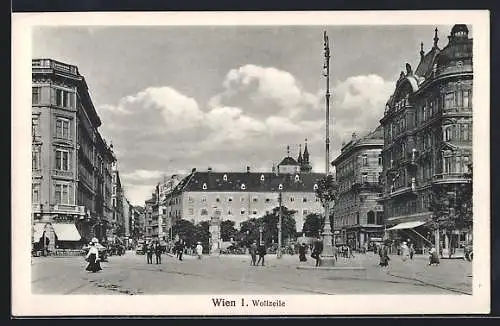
[
  {"x": 370, "y": 217},
  {"x": 224, "y": 177},
  {"x": 261, "y": 177},
  {"x": 297, "y": 178},
  {"x": 204, "y": 186}
]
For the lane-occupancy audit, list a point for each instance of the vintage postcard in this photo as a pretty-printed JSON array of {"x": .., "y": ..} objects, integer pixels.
[{"x": 264, "y": 163}]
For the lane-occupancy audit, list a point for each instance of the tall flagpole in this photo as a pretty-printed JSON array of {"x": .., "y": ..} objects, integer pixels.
[{"x": 327, "y": 256}]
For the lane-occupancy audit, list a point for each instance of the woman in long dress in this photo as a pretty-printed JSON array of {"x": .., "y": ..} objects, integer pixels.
[
  {"x": 405, "y": 252},
  {"x": 384, "y": 255},
  {"x": 93, "y": 259},
  {"x": 199, "y": 250}
]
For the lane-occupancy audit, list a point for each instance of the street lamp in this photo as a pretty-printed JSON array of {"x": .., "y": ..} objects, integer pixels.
[
  {"x": 278, "y": 253},
  {"x": 260, "y": 234}
]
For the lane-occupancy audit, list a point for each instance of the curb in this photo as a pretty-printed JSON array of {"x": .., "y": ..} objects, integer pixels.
[{"x": 343, "y": 268}]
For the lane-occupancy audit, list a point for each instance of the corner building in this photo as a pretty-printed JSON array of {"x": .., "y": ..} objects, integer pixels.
[
  {"x": 358, "y": 217},
  {"x": 428, "y": 137},
  {"x": 71, "y": 162}
]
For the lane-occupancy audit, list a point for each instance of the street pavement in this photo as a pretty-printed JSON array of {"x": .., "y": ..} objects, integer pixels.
[{"x": 130, "y": 275}]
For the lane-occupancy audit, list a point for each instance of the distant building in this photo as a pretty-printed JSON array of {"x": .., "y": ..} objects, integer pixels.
[
  {"x": 240, "y": 196},
  {"x": 428, "y": 138},
  {"x": 71, "y": 162},
  {"x": 358, "y": 217}
]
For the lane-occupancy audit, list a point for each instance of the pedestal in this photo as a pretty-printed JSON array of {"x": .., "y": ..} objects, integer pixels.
[{"x": 327, "y": 256}]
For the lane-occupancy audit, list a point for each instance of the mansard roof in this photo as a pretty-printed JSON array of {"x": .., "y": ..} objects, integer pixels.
[{"x": 248, "y": 182}]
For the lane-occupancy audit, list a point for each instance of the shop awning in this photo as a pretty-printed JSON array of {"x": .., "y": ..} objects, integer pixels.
[
  {"x": 38, "y": 231},
  {"x": 66, "y": 232},
  {"x": 407, "y": 225}
]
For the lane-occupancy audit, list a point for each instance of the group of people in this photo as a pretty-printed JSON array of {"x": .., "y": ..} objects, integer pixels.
[
  {"x": 259, "y": 250},
  {"x": 154, "y": 247}
]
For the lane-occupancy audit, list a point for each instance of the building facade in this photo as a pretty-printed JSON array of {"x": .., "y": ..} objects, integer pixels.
[
  {"x": 358, "y": 218},
  {"x": 71, "y": 163},
  {"x": 428, "y": 137},
  {"x": 240, "y": 196}
]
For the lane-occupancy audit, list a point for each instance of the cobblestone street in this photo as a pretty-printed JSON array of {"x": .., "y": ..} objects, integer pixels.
[{"x": 130, "y": 275}]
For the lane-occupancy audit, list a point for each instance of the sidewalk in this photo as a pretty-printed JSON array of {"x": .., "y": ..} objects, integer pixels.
[{"x": 451, "y": 274}]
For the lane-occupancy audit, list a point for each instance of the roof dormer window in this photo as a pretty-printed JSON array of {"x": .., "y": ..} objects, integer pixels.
[
  {"x": 204, "y": 186},
  {"x": 261, "y": 177},
  {"x": 243, "y": 187},
  {"x": 224, "y": 177},
  {"x": 280, "y": 187},
  {"x": 315, "y": 187},
  {"x": 297, "y": 178}
]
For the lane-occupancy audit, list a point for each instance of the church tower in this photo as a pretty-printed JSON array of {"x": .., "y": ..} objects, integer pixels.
[{"x": 305, "y": 166}]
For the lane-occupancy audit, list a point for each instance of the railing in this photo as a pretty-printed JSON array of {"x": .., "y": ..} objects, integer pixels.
[
  {"x": 444, "y": 177},
  {"x": 52, "y": 64},
  {"x": 61, "y": 173}
]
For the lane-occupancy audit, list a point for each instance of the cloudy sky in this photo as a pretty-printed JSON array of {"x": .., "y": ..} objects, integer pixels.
[{"x": 176, "y": 98}]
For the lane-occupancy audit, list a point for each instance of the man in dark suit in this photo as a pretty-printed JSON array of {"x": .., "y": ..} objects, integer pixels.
[{"x": 317, "y": 250}]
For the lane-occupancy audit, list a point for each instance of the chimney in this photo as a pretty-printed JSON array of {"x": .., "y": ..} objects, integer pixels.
[{"x": 248, "y": 169}]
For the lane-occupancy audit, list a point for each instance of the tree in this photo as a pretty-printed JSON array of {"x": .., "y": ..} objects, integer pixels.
[
  {"x": 227, "y": 230},
  {"x": 202, "y": 234},
  {"x": 185, "y": 230},
  {"x": 312, "y": 225},
  {"x": 451, "y": 207},
  {"x": 327, "y": 192},
  {"x": 270, "y": 224},
  {"x": 249, "y": 231}
]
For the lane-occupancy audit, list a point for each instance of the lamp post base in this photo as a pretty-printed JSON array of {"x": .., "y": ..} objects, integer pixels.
[{"x": 327, "y": 261}]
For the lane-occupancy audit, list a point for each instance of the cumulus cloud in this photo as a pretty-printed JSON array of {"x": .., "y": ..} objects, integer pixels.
[{"x": 258, "y": 112}]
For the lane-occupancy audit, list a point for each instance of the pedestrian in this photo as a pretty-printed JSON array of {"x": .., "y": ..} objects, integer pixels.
[
  {"x": 199, "y": 250},
  {"x": 253, "y": 253},
  {"x": 412, "y": 251},
  {"x": 317, "y": 250},
  {"x": 350, "y": 254},
  {"x": 149, "y": 253},
  {"x": 405, "y": 251},
  {"x": 93, "y": 259},
  {"x": 335, "y": 251},
  {"x": 383, "y": 252},
  {"x": 157, "y": 250},
  {"x": 262, "y": 252},
  {"x": 302, "y": 252},
  {"x": 433, "y": 257},
  {"x": 181, "y": 249}
]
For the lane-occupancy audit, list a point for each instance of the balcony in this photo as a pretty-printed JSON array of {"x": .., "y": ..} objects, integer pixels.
[
  {"x": 60, "y": 173},
  {"x": 450, "y": 178},
  {"x": 55, "y": 65}
]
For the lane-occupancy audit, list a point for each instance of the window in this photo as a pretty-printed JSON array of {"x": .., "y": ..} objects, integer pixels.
[
  {"x": 466, "y": 98},
  {"x": 447, "y": 164},
  {"x": 280, "y": 187},
  {"x": 449, "y": 100},
  {"x": 113, "y": 201},
  {"x": 203, "y": 199},
  {"x": 114, "y": 178},
  {"x": 297, "y": 178},
  {"x": 242, "y": 212},
  {"x": 292, "y": 199},
  {"x": 217, "y": 199},
  {"x": 229, "y": 212},
  {"x": 224, "y": 177},
  {"x": 315, "y": 187},
  {"x": 204, "y": 211},
  {"x": 62, "y": 160},
  {"x": 35, "y": 193},
  {"x": 62, "y": 193},
  {"x": 190, "y": 211},
  {"x": 305, "y": 212},
  {"x": 268, "y": 200},
  {"x": 64, "y": 98},
  {"x": 304, "y": 200},
  {"x": 34, "y": 126},
  {"x": 204, "y": 186},
  {"x": 254, "y": 212},
  {"x": 261, "y": 177},
  {"x": 255, "y": 199},
  {"x": 242, "y": 198},
  {"x": 465, "y": 133},
  {"x": 62, "y": 128},
  {"x": 370, "y": 217},
  {"x": 424, "y": 113},
  {"x": 35, "y": 158},
  {"x": 380, "y": 159},
  {"x": 364, "y": 177},
  {"x": 447, "y": 132},
  {"x": 35, "y": 95},
  {"x": 230, "y": 199},
  {"x": 114, "y": 190},
  {"x": 243, "y": 187}
]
